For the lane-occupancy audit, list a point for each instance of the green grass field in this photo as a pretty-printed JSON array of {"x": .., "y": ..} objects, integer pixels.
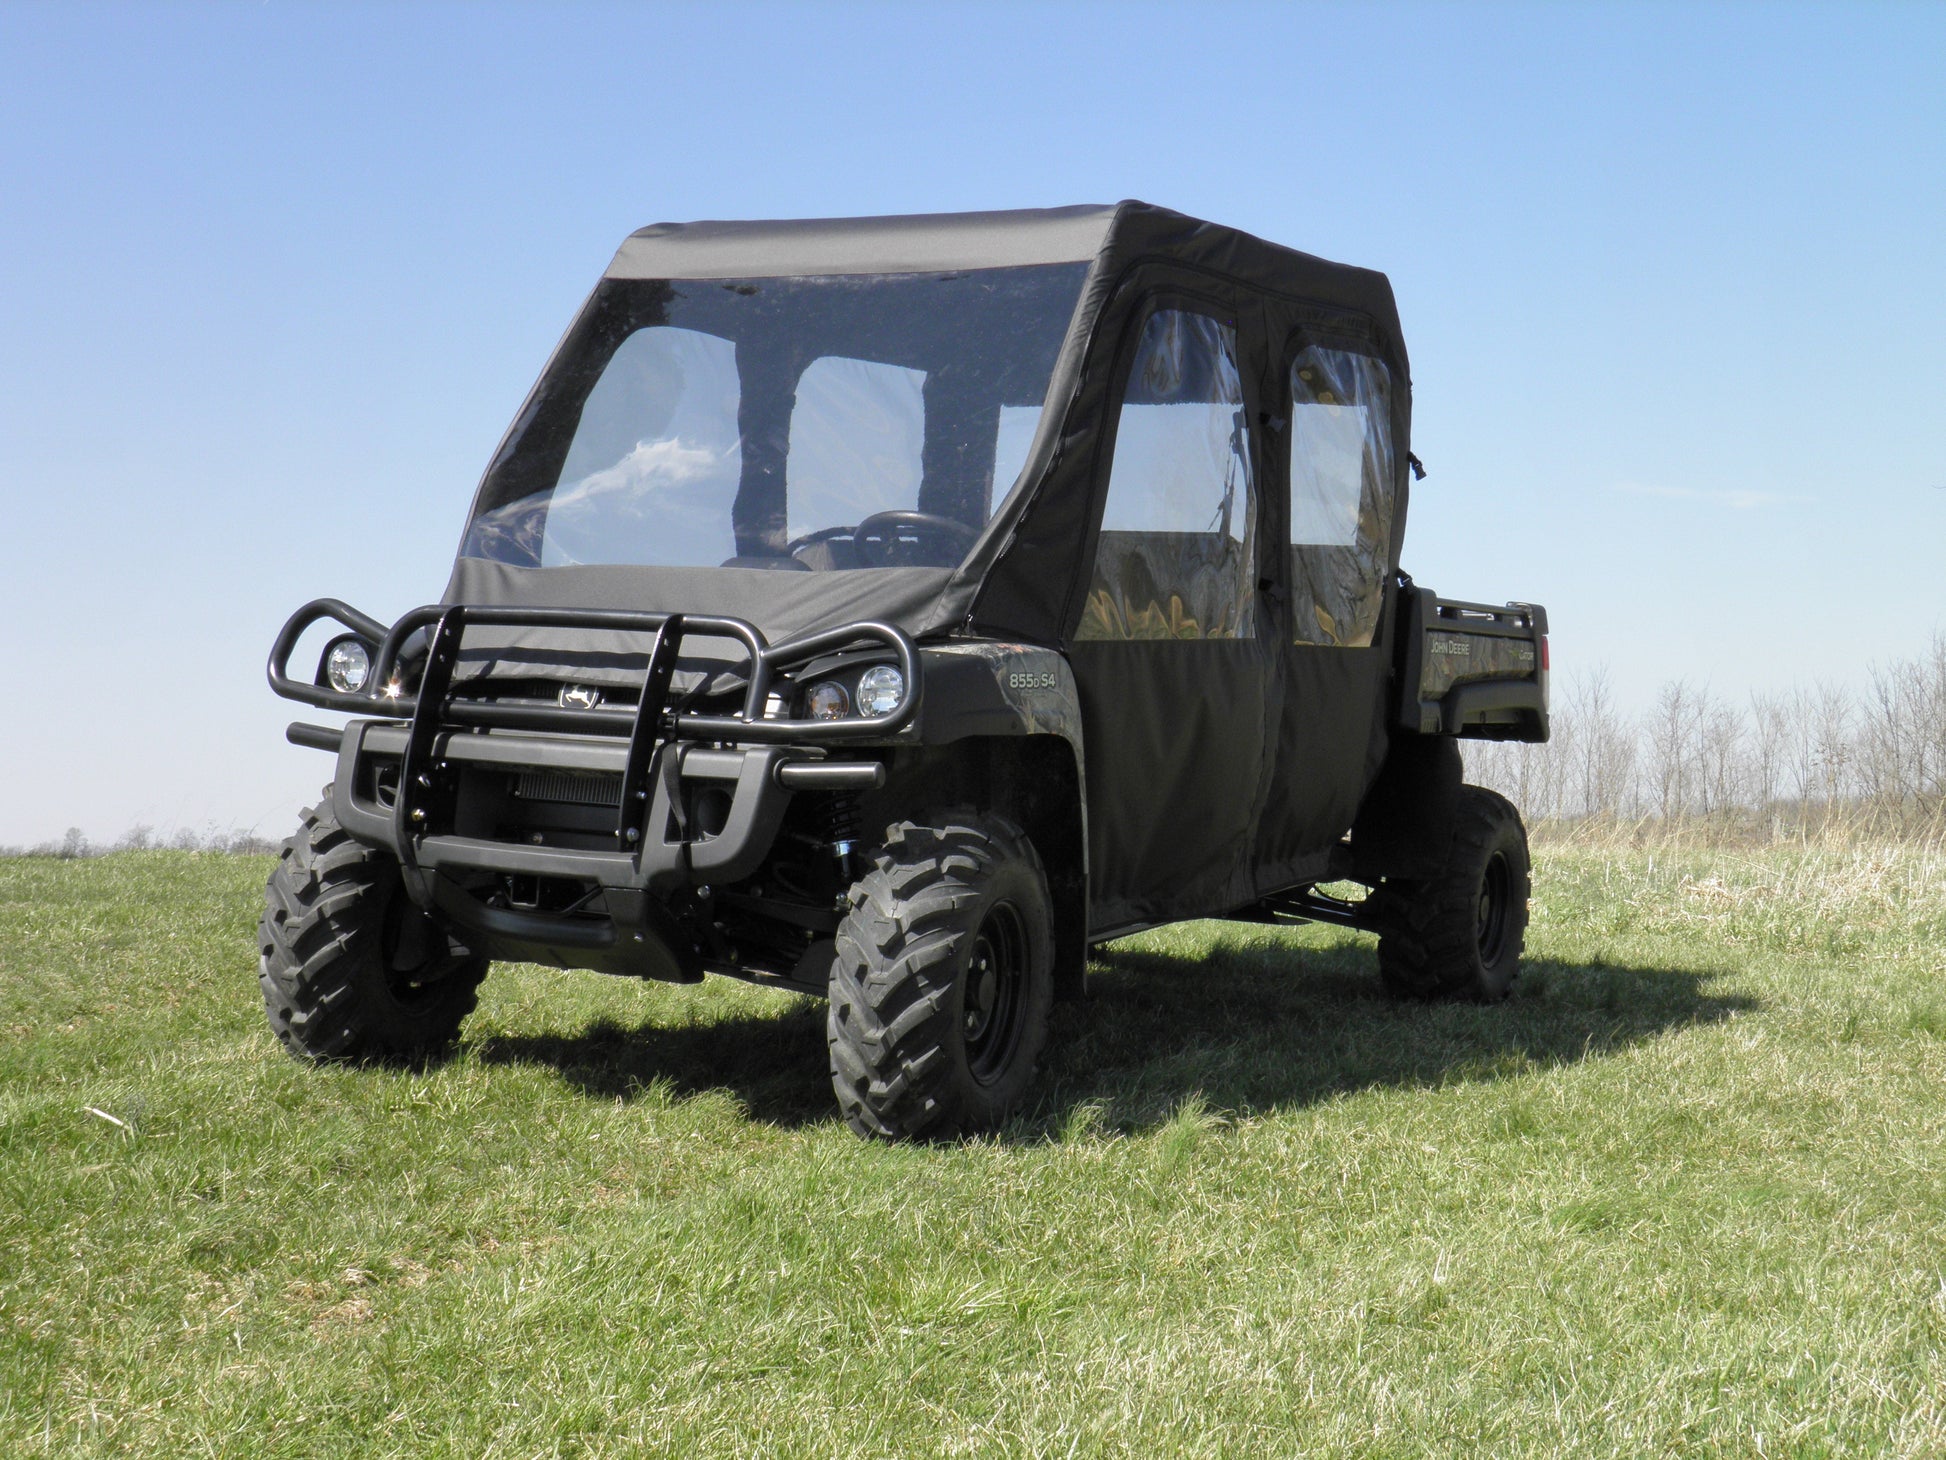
[{"x": 1686, "y": 1192}]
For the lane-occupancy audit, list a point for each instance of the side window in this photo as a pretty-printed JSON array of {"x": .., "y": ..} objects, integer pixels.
[
  {"x": 1176, "y": 533},
  {"x": 1341, "y": 494}
]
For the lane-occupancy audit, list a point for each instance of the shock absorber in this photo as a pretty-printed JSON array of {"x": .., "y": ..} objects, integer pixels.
[{"x": 839, "y": 820}]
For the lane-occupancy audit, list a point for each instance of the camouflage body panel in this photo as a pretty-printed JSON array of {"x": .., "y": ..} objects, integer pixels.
[
  {"x": 1454, "y": 658},
  {"x": 1477, "y": 670},
  {"x": 982, "y": 687}
]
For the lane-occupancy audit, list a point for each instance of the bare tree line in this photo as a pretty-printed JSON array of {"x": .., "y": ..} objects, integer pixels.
[
  {"x": 1775, "y": 763},
  {"x": 75, "y": 843}
]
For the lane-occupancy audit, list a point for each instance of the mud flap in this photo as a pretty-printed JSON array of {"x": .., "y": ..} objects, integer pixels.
[{"x": 1405, "y": 823}]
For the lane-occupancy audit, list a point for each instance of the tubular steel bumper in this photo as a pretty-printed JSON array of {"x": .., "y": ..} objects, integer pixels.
[{"x": 439, "y": 734}]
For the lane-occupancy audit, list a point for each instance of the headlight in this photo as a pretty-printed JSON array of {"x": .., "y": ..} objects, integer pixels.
[
  {"x": 347, "y": 665},
  {"x": 828, "y": 701},
  {"x": 880, "y": 690}
]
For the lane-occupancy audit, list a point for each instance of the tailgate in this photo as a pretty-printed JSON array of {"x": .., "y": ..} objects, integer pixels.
[{"x": 1473, "y": 669}]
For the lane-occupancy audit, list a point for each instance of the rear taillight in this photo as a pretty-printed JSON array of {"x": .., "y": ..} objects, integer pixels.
[{"x": 1543, "y": 653}]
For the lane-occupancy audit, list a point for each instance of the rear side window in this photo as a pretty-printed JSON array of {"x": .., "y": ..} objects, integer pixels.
[
  {"x": 1341, "y": 494},
  {"x": 1176, "y": 532}
]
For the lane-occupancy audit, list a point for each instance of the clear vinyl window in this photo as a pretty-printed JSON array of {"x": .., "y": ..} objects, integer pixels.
[
  {"x": 857, "y": 437},
  {"x": 1341, "y": 494},
  {"x": 803, "y": 424},
  {"x": 655, "y": 452},
  {"x": 1178, "y": 527}
]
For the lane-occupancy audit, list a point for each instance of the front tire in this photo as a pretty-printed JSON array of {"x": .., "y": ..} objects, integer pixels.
[
  {"x": 1459, "y": 935},
  {"x": 942, "y": 981},
  {"x": 350, "y": 969}
]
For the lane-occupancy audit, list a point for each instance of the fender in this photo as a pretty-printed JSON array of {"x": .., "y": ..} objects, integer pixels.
[
  {"x": 1405, "y": 823},
  {"x": 999, "y": 689}
]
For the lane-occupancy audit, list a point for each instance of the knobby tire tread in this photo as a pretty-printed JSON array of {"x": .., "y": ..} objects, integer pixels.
[
  {"x": 319, "y": 954},
  {"x": 1429, "y": 947},
  {"x": 892, "y": 1009}
]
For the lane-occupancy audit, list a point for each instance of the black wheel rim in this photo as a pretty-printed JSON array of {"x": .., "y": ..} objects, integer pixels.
[
  {"x": 994, "y": 993},
  {"x": 1496, "y": 893}
]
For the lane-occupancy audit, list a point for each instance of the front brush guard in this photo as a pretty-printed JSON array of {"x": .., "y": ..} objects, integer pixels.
[{"x": 438, "y": 732}]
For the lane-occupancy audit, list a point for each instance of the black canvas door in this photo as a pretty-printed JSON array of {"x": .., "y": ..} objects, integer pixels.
[
  {"x": 1341, "y": 478},
  {"x": 1169, "y": 653}
]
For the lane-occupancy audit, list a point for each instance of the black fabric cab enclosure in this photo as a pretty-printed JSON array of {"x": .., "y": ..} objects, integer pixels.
[{"x": 1170, "y": 450}]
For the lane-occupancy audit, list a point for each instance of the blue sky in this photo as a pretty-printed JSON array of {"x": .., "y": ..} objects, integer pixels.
[{"x": 275, "y": 278}]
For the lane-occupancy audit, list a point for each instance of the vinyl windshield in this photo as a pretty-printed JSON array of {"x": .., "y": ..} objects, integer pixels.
[{"x": 803, "y": 424}]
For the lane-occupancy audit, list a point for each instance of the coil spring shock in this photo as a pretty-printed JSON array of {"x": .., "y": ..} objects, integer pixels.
[{"x": 838, "y": 821}]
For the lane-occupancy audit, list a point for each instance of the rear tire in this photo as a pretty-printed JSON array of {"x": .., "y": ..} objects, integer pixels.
[
  {"x": 1459, "y": 935},
  {"x": 942, "y": 981},
  {"x": 350, "y": 969}
]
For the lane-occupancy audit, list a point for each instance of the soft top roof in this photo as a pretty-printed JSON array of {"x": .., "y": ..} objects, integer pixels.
[
  {"x": 917, "y": 243},
  {"x": 1024, "y": 577}
]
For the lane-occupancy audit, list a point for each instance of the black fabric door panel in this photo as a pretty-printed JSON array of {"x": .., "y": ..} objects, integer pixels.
[
  {"x": 1178, "y": 756},
  {"x": 1323, "y": 748}
]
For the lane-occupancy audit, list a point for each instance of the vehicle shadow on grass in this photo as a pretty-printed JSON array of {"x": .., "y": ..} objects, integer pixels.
[
  {"x": 774, "y": 1065},
  {"x": 1249, "y": 1029},
  {"x": 1258, "y": 1028}
]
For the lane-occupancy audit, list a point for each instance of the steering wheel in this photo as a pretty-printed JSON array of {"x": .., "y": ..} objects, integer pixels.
[
  {"x": 876, "y": 538},
  {"x": 823, "y": 534}
]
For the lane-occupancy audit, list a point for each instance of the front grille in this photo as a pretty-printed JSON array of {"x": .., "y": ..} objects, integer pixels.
[{"x": 578, "y": 788}]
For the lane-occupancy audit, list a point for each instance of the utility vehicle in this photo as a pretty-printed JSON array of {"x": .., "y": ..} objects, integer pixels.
[{"x": 890, "y": 610}]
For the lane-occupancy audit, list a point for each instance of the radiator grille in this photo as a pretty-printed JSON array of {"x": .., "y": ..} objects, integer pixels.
[{"x": 579, "y": 788}]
